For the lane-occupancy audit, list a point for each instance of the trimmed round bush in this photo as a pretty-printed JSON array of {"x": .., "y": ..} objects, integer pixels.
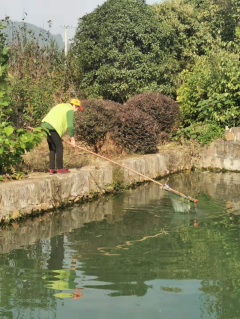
[
  {"x": 135, "y": 131},
  {"x": 164, "y": 110},
  {"x": 97, "y": 119},
  {"x": 164, "y": 138}
]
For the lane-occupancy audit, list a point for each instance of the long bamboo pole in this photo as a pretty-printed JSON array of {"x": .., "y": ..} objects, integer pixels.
[{"x": 164, "y": 187}]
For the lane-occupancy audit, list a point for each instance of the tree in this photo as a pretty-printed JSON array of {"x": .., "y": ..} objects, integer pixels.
[
  {"x": 37, "y": 74},
  {"x": 221, "y": 16},
  {"x": 184, "y": 36},
  {"x": 3, "y": 65},
  {"x": 118, "y": 51},
  {"x": 13, "y": 143},
  {"x": 210, "y": 91}
]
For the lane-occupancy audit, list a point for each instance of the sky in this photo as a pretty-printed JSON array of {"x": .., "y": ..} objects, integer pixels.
[{"x": 59, "y": 11}]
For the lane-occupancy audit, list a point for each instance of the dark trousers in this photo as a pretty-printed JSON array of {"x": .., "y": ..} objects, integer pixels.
[{"x": 56, "y": 149}]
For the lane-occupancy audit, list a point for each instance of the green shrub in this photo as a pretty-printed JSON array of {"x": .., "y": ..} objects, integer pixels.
[
  {"x": 13, "y": 143},
  {"x": 95, "y": 122},
  {"x": 30, "y": 100},
  {"x": 164, "y": 110},
  {"x": 204, "y": 133},
  {"x": 136, "y": 132}
]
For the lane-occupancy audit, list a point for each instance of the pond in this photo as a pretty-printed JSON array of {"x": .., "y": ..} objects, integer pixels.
[{"x": 129, "y": 256}]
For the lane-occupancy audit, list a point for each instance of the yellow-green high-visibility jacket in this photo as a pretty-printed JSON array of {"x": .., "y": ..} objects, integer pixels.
[{"x": 57, "y": 117}]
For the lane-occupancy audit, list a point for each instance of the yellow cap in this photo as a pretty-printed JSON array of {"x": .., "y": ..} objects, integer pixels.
[{"x": 77, "y": 102}]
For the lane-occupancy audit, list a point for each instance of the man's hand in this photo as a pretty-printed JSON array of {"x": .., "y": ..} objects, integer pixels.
[{"x": 73, "y": 142}]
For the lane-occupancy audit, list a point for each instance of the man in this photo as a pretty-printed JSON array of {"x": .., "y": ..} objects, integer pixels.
[{"x": 57, "y": 121}]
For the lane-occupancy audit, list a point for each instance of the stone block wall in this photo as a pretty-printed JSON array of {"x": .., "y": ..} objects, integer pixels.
[
  {"x": 223, "y": 154},
  {"x": 46, "y": 192}
]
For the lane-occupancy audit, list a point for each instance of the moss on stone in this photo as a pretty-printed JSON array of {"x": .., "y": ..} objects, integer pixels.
[{"x": 118, "y": 179}]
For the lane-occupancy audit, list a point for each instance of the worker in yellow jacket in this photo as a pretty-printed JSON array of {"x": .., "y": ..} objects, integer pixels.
[{"x": 57, "y": 121}]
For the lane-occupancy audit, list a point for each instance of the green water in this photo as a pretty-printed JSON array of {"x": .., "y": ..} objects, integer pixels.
[{"x": 130, "y": 256}]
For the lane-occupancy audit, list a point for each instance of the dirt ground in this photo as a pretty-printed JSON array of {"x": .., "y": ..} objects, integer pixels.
[
  {"x": 36, "y": 162},
  {"x": 38, "y": 159}
]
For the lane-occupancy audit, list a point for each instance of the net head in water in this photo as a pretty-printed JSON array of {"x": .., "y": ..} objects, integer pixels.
[{"x": 180, "y": 204}]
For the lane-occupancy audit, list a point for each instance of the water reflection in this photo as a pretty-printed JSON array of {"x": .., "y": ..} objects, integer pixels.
[{"x": 133, "y": 247}]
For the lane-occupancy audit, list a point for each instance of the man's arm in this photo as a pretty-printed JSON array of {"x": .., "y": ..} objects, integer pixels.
[{"x": 70, "y": 118}]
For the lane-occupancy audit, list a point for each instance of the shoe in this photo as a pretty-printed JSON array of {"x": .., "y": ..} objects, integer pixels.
[
  {"x": 63, "y": 171},
  {"x": 52, "y": 171}
]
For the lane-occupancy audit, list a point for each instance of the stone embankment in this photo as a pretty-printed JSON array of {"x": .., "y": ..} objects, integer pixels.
[
  {"x": 223, "y": 154},
  {"x": 45, "y": 192},
  {"x": 52, "y": 223}
]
